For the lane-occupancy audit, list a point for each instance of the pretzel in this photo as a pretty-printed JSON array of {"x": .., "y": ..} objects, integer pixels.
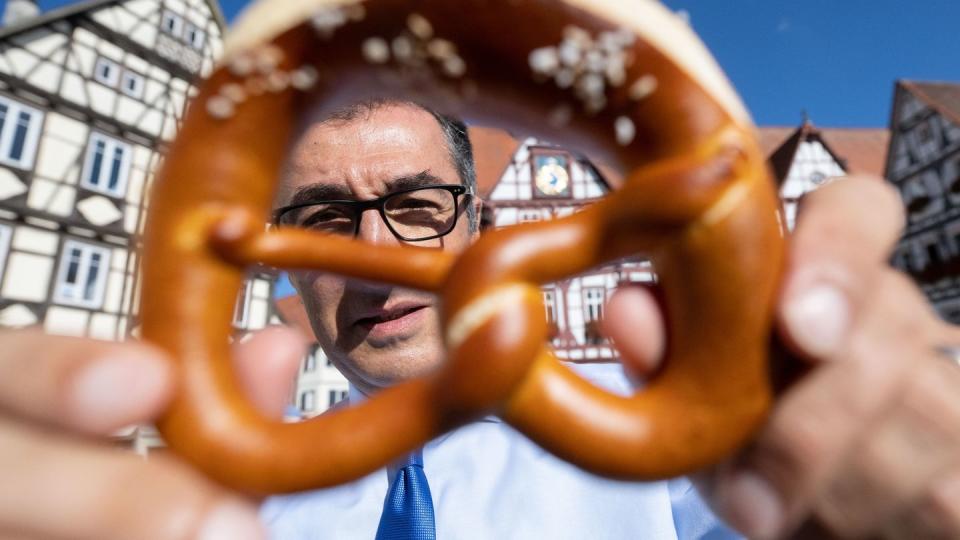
[{"x": 627, "y": 82}]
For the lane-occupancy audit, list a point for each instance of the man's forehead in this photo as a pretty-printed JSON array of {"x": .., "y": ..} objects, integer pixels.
[{"x": 373, "y": 144}]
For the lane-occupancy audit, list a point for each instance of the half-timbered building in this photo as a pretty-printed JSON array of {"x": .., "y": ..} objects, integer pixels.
[
  {"x": 90, "y": 96},
  {"x": 924, "y": 164},
  {"x": 807, "y": 157}
]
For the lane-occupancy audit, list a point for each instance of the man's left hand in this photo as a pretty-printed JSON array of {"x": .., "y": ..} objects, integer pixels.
[{"x": 867, "y": 443}]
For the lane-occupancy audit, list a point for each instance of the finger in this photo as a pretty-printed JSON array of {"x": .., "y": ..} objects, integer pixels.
[
  {"x": 634, "y": 323},
  {"x": 934, "y": 515},
  {"x": 818, "y": 422},
  {"x": 56, "y": 488},
  {"x": 913, "y": 445},
  {"x": 267, "y": 365},
  {"x": 91, "y": 386},
  {"x": 843, "y": 235}
]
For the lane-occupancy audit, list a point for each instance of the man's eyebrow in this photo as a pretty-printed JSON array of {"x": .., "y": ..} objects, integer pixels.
[
  {"x": 421, "y": 179},
  {"x": 335, "y": 192},
  {"x": 319, "y": 192}
]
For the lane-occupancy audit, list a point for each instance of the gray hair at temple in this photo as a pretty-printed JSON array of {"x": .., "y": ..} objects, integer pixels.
[{"x": 454, "y": 131}]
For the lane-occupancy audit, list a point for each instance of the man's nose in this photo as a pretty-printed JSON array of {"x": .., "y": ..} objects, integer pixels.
[{"x": 373, "y": 229}]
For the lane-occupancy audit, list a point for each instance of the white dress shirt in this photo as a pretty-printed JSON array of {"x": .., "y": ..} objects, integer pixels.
[{"x": 488, "y": 481}]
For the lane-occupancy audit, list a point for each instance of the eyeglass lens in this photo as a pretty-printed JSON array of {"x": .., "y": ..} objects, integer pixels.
[{"x": 412, "y": 215}]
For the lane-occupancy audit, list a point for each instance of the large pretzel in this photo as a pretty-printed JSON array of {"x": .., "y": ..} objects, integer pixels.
[{"x": 624, "y": 80}]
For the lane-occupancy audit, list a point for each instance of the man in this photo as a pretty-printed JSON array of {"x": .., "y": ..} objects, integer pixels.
[{"x": 867, "y": 443}]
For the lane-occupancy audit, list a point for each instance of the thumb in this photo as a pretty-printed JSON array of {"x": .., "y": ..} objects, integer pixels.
[
  {"x": 633, "y": 321},
  {"x": 267, "y": 365}
]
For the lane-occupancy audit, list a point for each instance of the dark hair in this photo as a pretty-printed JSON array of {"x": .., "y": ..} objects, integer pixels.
[{"x": 454, "y": 132}]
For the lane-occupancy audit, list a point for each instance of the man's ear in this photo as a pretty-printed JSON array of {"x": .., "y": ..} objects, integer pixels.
[{"x": 477, "y": 203}]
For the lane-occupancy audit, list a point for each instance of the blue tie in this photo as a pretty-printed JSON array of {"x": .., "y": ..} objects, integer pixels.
[{"x": 408, "y": 508}]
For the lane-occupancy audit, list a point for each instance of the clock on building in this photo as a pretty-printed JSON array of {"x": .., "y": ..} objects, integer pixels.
[{"x": 551, "y": 177}]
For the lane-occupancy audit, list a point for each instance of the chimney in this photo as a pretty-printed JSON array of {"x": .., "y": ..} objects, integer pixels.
[{"x": 18, "y": 11}]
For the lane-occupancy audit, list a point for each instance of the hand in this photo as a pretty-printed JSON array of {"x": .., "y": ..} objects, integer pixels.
[
  {"x": 57, "y": 395},
  {"x": 868, "y": 442}
]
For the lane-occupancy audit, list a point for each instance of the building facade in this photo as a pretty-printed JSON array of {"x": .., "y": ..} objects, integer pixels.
[
  {"x": 91, "y": 95},
  {"x": 924, "y": 165},
  {"x": 543, "y": 182}
]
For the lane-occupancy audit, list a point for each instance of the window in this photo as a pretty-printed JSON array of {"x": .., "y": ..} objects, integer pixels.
[
  {"x": 240, "y": 307},
  {"x": 132, "y": 84},
  {"x": 528, "y": 216},
  {"x": 335, "y": 396},
  {"x": 592, "y": 312},
  {"x": 107, "y": 165},
  {"x": 550, "y": 304},
  {"x": 106, "y": 71},
  {"x": 308, "y": 401},
  {"x": 183, "y": 31},
  {"x": 4, "y": 246},
  {"x": 933, "y": 253},
  {"x": 172, "y": 24},
  {"x": 593, "y": 303},
  {"x": 194, "y": 37},
  {"x": 19, "y": 131},
  {"x": 310, "y": 362},
  {"x": 83, "y": 274}
]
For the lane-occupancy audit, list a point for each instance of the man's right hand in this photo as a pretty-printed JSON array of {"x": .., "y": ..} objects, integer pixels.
[{"x": 60, "y": 398}]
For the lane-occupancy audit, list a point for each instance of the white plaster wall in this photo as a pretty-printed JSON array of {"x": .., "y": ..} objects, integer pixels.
[
  {"x": 104, "y": 326},
  {"x": 33, "y": 240},
  {"x": 27, "y": 277},
  {"x": 66, "y": 321}
]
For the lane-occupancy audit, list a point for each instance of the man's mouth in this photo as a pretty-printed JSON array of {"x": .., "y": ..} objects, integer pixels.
[
  {"x": 388, "y": 315},
  {"x": 392, "y": 322}
]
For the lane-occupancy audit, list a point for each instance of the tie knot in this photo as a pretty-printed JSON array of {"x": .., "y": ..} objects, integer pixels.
[{"x": 413, "y": 458}]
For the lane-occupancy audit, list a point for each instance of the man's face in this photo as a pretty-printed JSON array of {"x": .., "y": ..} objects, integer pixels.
[{"x": 376, "y": 334}]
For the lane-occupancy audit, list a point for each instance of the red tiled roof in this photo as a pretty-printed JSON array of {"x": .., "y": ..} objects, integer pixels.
[
  {"x": 863, "y": 149},
  {"x": 942, "y": 96},
  {"x": 493, "y": 150},
  {"x": 860, "y": 150}
]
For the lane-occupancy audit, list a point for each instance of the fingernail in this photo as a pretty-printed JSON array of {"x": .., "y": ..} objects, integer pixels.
[
  {"x": 749, "y": 503},
  {"x": 231, "y": 520},
  {"x": 818, "y": 319},
  {"x": 112, "y": 392}
]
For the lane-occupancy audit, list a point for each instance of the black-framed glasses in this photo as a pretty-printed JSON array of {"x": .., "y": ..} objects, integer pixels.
[{"x": 412, "y": 215}]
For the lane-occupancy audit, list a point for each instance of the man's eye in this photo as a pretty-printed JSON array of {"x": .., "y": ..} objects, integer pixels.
[
  {"x": 414, "y": 203},
  {"x": 326, "y": 219}
]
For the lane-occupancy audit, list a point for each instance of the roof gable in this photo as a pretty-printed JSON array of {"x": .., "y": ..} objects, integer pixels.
[
  {"x": 84, "y": 6},
  {"x": 942, "y": 96}
]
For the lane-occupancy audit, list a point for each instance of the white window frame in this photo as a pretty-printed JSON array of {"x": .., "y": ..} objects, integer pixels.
[
  {"x": 589, "y": 298},
  {"x": 335, "y": 396},
  {"x": 550, "y": 305},
  {"x": 102, "y": 182},
  {"x": 112, "y": 77},
  {"x": 74, "y": 294},
  {"x": 310, "y": 361},
  {"x": 138, "y": 86},
  {"x": 8, "y": 133},
  {"x": 6, "y": 233},
  {"x": 308, "y": 401},
  {"x": 241, "y": 309},
  {"x": 177, "y": 29},
  {"x": 198, "y": 38}
]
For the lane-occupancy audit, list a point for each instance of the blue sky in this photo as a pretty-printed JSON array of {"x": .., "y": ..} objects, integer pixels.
[{"x": 836, "y": 59}]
